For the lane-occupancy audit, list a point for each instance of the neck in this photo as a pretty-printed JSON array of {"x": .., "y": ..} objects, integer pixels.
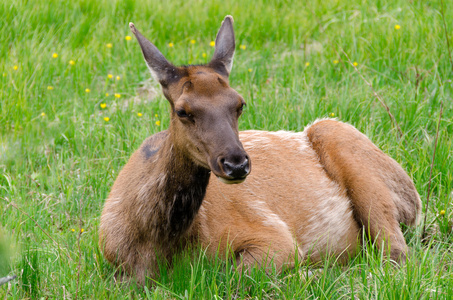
[{"x": 173, "y": 195}]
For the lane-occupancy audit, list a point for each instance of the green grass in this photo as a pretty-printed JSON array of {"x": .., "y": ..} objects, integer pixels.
[{"x": 59, "y": 158}]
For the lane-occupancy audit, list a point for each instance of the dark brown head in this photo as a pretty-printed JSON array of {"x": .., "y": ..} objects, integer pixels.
[{"x": 204, "y": 108}]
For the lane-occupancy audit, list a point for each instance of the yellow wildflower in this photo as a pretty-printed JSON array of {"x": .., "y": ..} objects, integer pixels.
[
  {"x": 355, "y": 64},
  {"x": 109, "y": 76},
  {"x": 335, "y": 61},
  {"x": 73, "y": 230},
  {"x": 50, "y": 87},
  {"x": 106, "y": 94},
  {"x": 158, "y": 123},
  {"x": 15, "y": 68},
  {"x": 106, "y": 119},
  {"x": 170, "y": 44},
  {"x": 128, "y": 38},
  {"x": 109, "y": 45},
  {"x": 156, "y": 115},
  {"x": 43, "y": 114},
  {"x": 250, "y": 70},
  {"x": 397, "y": 27},
  {"x": 82, "y": 230},
  {"x": 442, "y": 212},
  {"x": 204, "y": 55},
  {"x": 192, "y": 42},
  {"x": 307, "y": 64},
  {"x": 118, "y": 77},
  {"x": 117, "y": 95},
  {"x": 55, "y": 55},
  {"x": 139, "y": 114},
  {"x": 242, "y": 47},
  {"x": 71, "y": 62},
  {"x": 103, "y": 105},
  {"x": 212, "y": 44},
  {"x": 87, "y": 90},
  {"x": 332, "y": 115}
]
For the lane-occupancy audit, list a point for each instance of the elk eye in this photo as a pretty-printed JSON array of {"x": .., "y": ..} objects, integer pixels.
[
  {"x": 183, "y": 114},
  {"x": 241, "y": 108}
]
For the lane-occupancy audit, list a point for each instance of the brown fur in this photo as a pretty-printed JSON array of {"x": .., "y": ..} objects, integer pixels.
[{"x": 309, "y": 194}]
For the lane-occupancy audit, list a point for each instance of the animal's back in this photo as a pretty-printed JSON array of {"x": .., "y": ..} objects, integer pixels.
[
  {"x": 287, "y": 201},
  {"x": 293, "y": 198}
]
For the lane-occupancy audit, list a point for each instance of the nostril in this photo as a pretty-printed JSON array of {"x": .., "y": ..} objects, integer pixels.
[
  {"x": 228, "y": 168},
  {"x": 228, "y": 164},
  {"x": 246, "y": 161},
  {"x": 245, "y": 165},
  {"x": 236, "y": 168}
]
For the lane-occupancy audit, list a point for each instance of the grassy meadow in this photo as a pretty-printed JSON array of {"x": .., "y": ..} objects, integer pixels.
[{"x": 76, "y": 99}]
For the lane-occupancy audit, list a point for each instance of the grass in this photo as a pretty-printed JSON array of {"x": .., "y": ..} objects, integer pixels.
[{"x": 59, "y": 156}]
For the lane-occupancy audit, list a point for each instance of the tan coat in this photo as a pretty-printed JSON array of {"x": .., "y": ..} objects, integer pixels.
[{"x": 290, "y": 195}]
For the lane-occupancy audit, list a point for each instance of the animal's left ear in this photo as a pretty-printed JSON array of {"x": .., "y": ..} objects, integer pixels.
[{"x": 222, "y": 60}]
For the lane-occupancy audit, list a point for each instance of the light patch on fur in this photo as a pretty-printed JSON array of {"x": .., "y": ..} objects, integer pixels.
[
  {"x": 319, "y": 120},
  {"x": 252, "y": 139},
  {"x": 158, "y": 182},
  {"x": 335, "y": 119},
  {"x": 299, "y": 137},
  {"x": 110, "y": 214},
  {"x": 229, "y": 65},
  {"x": 143, "y": 197},
  {"x": 269, "y": 218},
  {"x": 331, "y": 219},
  {"x": 111, "y": 228},
  {"x": 153, "y": 73},
  {"x": 108, "y": 218}
]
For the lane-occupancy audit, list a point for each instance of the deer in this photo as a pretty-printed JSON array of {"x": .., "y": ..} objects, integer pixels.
[{"x": 310, "y": 196}]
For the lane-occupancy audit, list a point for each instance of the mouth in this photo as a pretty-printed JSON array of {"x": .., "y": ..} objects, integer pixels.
[{"x": 231, "y": 181}]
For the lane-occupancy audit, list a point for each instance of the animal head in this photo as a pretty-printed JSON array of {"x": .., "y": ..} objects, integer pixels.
[{"x": 204, "y": 108}]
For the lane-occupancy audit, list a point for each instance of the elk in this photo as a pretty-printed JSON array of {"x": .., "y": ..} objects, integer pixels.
[{"x": 310, "y": 194}]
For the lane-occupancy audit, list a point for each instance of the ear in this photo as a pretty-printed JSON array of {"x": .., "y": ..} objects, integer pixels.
[
  {"x": 224, "y": 47},
  {"x": 160, "y": 68}
]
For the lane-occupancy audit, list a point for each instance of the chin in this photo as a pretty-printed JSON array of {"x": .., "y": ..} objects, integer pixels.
[{"x": 231, "y": 181}]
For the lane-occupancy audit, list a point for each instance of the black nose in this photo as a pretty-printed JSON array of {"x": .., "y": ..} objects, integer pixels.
[{"x": 236, "y": 167}]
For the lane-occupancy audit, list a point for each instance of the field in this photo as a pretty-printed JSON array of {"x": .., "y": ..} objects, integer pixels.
[{"x": 76, "y": 100}]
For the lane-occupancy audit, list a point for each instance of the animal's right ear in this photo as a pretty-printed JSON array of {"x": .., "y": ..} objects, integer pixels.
[{"x": 160, "y": 68}]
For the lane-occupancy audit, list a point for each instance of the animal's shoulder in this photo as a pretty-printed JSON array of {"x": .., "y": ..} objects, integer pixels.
[{"x": 153, "y": 143}]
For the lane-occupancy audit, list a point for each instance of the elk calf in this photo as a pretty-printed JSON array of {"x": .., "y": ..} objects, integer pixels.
[{"x": 310, "y": 193}]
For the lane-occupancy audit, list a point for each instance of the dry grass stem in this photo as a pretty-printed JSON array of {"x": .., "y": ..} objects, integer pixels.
[
  {"x": 392, "y": 118},
  {"x": 36, "y": 223},
  {"x": 446, "y": 33},
  {"x": 431, "y": 170}
]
